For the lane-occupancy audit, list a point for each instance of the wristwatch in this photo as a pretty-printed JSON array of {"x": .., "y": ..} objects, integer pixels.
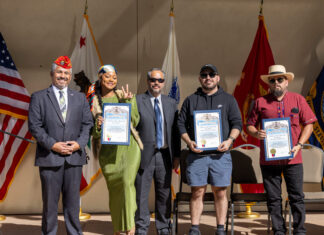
[
  {"x": 301, "y": 145},
  {"x": 232, "y": 138}
]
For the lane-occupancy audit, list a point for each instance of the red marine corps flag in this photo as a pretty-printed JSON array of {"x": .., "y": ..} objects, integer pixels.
[{"x": 250, "y": 86}]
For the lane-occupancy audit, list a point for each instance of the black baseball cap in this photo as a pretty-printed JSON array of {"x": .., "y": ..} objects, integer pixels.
[{"x": 209, "y": 66}]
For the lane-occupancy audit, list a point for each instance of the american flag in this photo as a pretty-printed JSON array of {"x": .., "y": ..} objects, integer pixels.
[{"x": 14, "y": 103}]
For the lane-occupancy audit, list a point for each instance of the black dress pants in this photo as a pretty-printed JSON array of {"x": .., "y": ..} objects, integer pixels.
[
  {"x": 160, "y": 170},
  {"x": 272, "y": 180}
]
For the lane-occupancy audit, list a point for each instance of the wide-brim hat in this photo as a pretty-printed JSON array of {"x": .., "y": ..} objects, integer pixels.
[{"x": 277, "y": 71}]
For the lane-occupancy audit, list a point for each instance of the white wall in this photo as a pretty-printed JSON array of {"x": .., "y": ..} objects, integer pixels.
[{"x": 133, "y": 35}]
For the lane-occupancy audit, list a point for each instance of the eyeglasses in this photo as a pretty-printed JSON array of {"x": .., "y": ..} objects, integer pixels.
[
  {"x": 205, "y": 75},
  {"x": 279, "y": 80},
  {"x": 160, "y": 80}
]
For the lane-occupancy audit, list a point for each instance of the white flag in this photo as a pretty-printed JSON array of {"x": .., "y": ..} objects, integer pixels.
[
  {"x": 172, "y": 75},
  {"x": 171, "y": 65},
  {"x": 85, "y": 57}
]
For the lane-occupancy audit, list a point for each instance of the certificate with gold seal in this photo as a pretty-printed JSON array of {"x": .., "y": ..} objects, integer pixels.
[
  {"x": 116, "y": 125},
  {"x": 208, "y": 129},
  {"x": 277, "y": 144}
]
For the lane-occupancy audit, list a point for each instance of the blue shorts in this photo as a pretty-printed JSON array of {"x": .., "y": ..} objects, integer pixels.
[{"x": 215, "y": 169}]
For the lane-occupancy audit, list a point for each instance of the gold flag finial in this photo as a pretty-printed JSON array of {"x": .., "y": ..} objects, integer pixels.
[
  {"x": 261, "y": 8},
  {"x": 86, "y": 7}
]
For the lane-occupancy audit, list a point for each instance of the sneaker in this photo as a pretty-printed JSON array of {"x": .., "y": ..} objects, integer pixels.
[
  {"x": 194, "y": 231},
  {"x": 220, "y": 232},
  {"x": 164, "y": 232}
]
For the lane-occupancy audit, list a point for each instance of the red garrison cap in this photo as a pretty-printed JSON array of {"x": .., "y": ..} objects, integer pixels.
[{"x": 64, "y": 62}]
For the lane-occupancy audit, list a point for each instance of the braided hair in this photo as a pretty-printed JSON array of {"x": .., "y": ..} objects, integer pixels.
[{"x": 98, "y": 91}]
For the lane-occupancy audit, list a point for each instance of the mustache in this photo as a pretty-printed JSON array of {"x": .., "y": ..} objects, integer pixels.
[{"x": 61, "y": 78}]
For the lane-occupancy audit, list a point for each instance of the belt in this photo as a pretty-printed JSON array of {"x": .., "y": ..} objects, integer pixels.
[{"x": 161, "y": 150}]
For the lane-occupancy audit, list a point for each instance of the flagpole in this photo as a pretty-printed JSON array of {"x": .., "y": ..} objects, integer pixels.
[
  {"x": 248, "y": 213},
  {"x": 261, "y": 8},
  {"x": 85, "y": 7},
  {"x": 84, "y": 216},
  {"x": 17, "y": 136}
]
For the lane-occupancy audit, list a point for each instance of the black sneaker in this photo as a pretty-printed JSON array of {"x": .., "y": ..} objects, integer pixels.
[
  {"x": 220, "y": 232},
  {"x": 194, "y": 231}
]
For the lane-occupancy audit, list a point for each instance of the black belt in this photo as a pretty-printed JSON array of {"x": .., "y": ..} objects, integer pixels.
[{"x": 161, "y": 150}]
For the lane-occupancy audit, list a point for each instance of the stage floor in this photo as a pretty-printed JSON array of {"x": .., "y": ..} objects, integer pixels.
[{"x": 101, "y": 224}]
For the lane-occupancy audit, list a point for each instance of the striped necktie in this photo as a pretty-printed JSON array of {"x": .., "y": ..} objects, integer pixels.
[{"x": 62, "y": 104}]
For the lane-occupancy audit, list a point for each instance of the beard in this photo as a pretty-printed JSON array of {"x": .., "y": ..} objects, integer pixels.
[
  {"x": 155, "y": 91},
  {"x": 278, "y": 93},
  {"x": 209, "y": 87}
]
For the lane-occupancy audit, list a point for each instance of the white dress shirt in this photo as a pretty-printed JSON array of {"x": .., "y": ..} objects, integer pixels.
[{"x": 57, "y": 95}]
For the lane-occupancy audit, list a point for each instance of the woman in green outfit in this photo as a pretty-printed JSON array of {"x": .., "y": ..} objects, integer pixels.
[{"x": 119, "y": 163}]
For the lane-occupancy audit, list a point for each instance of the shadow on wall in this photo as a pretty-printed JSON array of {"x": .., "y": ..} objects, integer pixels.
[
  {"x": 119, "y": 37},
  {"x": 315, "y": 66},
  {"x": 142, "y": 73},
  {"x": 74, "y": 36}
]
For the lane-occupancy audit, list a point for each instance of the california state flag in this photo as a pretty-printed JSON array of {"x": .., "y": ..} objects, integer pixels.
[{"x": 85, "y": 57}]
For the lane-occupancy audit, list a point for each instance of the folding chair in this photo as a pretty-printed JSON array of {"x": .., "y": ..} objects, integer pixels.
[
  {"x": 313, "y": 158},
  {"x": 183, "y": 198},
  {"x": 246, "y": 170}
]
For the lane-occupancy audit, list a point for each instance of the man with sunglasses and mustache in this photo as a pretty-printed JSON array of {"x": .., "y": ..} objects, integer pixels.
[
  {"x": 280, "y": 103},
  {"x": 212, "y": 167},
  {"x": 159, "y": 134}
]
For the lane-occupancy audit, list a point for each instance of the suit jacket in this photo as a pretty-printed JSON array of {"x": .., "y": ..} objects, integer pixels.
[
  {"x": 146, "y": 127},
  {"x": 47, "y": 126}
]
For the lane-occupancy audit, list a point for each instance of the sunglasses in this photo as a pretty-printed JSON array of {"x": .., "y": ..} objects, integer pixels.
[
  {"x": 160, "y": 80},
  {"x": 205, "y": 75},
  {"x": 279, "y": 80}
]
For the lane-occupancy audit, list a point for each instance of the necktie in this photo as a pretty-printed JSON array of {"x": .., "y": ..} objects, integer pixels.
[
  {"x": 62, "y": 104},
  {"x": 158, "y": 125}
]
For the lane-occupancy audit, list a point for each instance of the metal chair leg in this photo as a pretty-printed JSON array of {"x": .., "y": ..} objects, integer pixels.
[
  {"x": 289, "y": 220},
  {"x": 232, "y": 219},
  {"x": 286, "y": 209},
  {"x": 268, "y": 230},
  {"x": 227, "y": 216},
  {"x": 174, "y": 218},
  {"x": 176, "y": 215}
]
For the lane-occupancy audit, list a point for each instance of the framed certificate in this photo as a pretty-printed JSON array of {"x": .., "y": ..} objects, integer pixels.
[
  {"x": 208, "y": 129},
  {"x": 116, "y": 125},
  {"x": 277, "y": 144}
]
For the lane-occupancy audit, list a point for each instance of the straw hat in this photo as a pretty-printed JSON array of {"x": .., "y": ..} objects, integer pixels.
[{"x": 277, "y": 71}]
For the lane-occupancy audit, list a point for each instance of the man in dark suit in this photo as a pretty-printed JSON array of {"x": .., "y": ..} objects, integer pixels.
[
  {"x": 159, "y": 134},
  {"x": 60, "y": 120}
]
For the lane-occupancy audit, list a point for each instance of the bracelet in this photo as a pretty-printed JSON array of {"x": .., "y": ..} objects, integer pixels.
[
  {"x": 301, "y": 145},
  {"x": 231, "y": 138}
]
